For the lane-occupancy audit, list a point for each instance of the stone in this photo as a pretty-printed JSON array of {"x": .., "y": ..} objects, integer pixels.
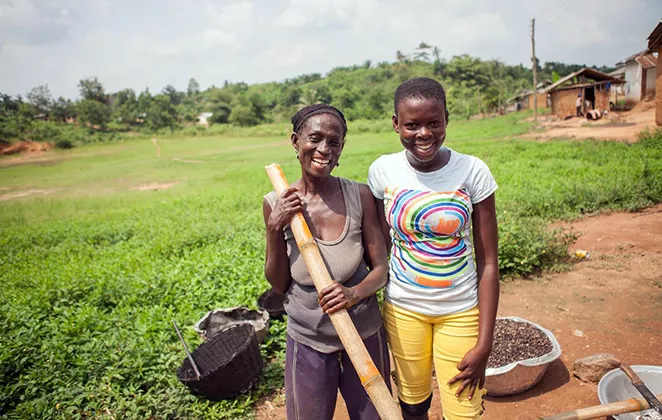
[{"x": 593, "y": 368}]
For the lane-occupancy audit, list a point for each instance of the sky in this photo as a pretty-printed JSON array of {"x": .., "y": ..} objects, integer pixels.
[{"x": 153, "y": 43}]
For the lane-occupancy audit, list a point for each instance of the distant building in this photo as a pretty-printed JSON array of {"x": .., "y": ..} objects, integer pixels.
[
  {"x": 655, "y": 45},
  {"x": 639, "y": 77},
  {"x": 524, "y": 99},
  {"x": 618, "y": 92},
  {"x": 203, "y": 118},
  {"x": 593, "y": 86}
]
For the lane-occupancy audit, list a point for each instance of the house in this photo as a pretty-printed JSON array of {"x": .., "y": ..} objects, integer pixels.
[
  {"x": 639, "y": 77},
  {"x": 524, "y": 99},
  {"x": 655, "y": 45},
  {"x": 591, "y": 85},
  {"x": 618, "y": 92},
  {"x": 203, "y": 118}
]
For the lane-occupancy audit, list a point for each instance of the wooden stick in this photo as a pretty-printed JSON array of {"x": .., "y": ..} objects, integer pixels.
[
  {"x": 370, "y": 377},
  {"x": 611, "y": 409},
  {"x": 188, "y": 353},
  {"x": 642, "y": 389}
]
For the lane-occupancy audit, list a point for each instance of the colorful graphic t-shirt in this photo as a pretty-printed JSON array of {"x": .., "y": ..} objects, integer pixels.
[{"x": 432, "y": 268}]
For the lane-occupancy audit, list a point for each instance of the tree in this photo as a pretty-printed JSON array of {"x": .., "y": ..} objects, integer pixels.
[
  {"x": 243, "y": 115},
  {"x": 436, "y": 53},
  {"x": 161, "y": 113},
  {"x": 400, "y": 56},
  {"x": 40, "y": 98},
  {"x": 258, "y": 106},
  {"x": 308, "y": 96},
  {"x": 218, "y": 102},
  {"x": 63, "y": 109},
  {"x": 193, "y": 87},
  {"x": 422, "y": 52},
  {"x": 93, "y": 112},
  {"x": 291, "y": 96},
  {"x": 92, "y": 89},
  {"x": 126, "y": 106},
  {"x": 144, "y": 103},
  {"x": 16, "y": 117},
  {"x": 171, "y": 92}
]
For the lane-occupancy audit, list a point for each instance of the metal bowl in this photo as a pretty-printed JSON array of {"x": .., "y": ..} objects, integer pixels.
[
  {"x": 521, "y": 375},
  {"x": 615, "y": 386}
]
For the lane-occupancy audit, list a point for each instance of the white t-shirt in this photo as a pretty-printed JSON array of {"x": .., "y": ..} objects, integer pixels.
[{"x": 432, "y": 269}]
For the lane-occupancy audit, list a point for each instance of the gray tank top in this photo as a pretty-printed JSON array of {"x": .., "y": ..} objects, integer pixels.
[{"x": 307, "y": 324}]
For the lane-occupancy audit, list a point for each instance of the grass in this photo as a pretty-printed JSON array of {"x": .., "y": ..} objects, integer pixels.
[{"x": 94, "y": 272}]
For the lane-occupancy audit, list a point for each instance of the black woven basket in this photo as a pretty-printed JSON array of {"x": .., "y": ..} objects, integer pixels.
[
  {"x": 229, "y": 364},
  {"x": 273, "y": 303}
]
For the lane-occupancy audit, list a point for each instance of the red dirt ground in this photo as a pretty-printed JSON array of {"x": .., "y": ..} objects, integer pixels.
[
  {"x": 621, "y": 126},
  {"x": 614, "y": 298}
]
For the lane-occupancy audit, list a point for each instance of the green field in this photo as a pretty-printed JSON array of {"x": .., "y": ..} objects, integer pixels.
[{"x": 94, "y": 271}]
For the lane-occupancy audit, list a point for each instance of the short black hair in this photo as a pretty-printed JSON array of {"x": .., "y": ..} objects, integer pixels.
[
  {"x": 421, "y": 88},
  {"x": 300, "y": 118}
]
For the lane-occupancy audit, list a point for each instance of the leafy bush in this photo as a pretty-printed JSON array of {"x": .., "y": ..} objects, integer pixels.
[{"x": 64, "y": 144}]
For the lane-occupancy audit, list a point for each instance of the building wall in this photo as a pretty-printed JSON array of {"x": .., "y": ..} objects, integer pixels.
[
  {"x": 542, "y": 101},
  {"x": 658, "y": 89},
  {"x": 563, "y": 102},
  {"x": 601, "y": 98},
  {"x": 632, "y": 83},
  {"x": 650, "y": 83}
]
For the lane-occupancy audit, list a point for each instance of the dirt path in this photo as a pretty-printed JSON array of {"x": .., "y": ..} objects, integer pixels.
[
  {"x": 614, "y": 299},
  {"x": 622, "y": 126}
]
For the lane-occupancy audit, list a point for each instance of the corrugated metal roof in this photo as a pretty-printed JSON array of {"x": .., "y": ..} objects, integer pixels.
[
  {"x": 647, "y": 61},
  {"x": 655, "y": 38},
  {"x": 632, "y": 57},
  {"x": 588, "y": 73},
  {"x": 619, "y": 72}
]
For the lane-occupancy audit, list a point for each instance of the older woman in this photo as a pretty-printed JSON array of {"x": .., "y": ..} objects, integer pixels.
[{"x": 343, "y": 219}]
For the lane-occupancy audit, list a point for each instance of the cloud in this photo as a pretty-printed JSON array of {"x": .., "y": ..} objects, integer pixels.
[
  {"x": 153, "y": 43},
  {"x": 34, "y": 22}
]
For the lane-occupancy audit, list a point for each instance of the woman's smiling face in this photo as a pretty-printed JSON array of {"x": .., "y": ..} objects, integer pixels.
[
  {"x": 319, "y": 144},
  {"x": 421, "y": 124}
]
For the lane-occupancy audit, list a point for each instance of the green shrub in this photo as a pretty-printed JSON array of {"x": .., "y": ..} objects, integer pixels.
[
  {"x": 651, "y": 137},
  {"x": 64, "y": 144}
]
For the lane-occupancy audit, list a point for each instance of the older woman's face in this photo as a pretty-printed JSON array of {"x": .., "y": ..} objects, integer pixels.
[{"x": 319, "y": 144}]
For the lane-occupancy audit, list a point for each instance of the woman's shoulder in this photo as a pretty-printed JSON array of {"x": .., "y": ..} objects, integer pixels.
[
  {"x": 271, "y": 197},
  {"x": 360, "y": 187},
  {"x": 388, "y": 160},
  {"x": 468, "y": 160}
]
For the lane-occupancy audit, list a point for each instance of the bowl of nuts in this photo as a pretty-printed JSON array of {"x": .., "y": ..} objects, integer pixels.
[{"x": 521, "y": 352}]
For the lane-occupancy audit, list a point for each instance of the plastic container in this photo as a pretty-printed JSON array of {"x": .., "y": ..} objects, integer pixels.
[
  {"x": 230, "y": 364},
  {"x": 215, "y": 321},
  {"x": 521, "y": 375},
  {"x": 616, "y": 386}
]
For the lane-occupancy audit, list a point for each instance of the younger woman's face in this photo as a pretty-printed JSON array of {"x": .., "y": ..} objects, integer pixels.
[{"x": 421, "y": 124}]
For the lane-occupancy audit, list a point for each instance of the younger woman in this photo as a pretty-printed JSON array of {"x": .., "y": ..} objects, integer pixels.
[{"x": 441, "y": 301}]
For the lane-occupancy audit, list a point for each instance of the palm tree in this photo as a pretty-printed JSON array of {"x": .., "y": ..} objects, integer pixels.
[
  {"x": 400, "y": 56},
  {"x": 422, "y": 52},
  {"x": 436, "y": 53},
  {"x": 309, "y": 97}
]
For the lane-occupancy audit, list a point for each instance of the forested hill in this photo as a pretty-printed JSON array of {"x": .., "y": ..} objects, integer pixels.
[{"x": 361, "y": 91}]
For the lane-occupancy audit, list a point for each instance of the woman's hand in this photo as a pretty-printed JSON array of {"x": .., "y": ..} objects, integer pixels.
[
  {"x": 287, "y": 205},
  {"x": 472, "y": 367},
  {"x": 336, "y": 297}
]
